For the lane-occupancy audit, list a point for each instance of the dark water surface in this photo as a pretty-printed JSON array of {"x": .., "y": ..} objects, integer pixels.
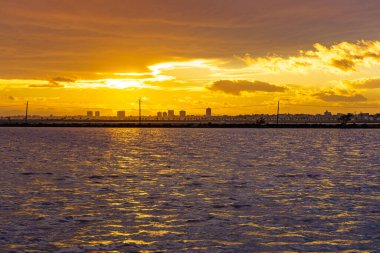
[{"x": 189, "y": 190}]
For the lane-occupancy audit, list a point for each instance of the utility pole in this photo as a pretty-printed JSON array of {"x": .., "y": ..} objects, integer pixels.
[
  {"x": 278, "y": 111},
  {"x": 139, "y": 110},
  {"x": 26, "y": 112}
]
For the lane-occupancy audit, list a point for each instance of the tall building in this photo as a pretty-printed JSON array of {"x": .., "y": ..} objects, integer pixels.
[
  {"x": 165, "y": 114},
  {"x": 159, "y": 114},
  {"x": 182, "y": 114},
  {"x": 90, "y": 114},
  {"x": 208, "y": 112},
  {"x": 97, "y": 114},
  {"x": 121, "y": 114},
  {"x": 171, "y": 113}
]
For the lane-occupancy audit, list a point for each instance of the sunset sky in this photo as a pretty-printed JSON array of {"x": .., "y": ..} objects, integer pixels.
[{"x": 236, "y": 56}]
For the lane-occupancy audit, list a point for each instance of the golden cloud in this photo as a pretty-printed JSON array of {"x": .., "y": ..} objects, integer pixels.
[
  {"x": 339, "y": 58},
  {"x": 339, "y": 96}
]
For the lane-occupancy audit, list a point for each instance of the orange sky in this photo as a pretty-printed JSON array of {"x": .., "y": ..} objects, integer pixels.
[{"x": 236, "y": 56}]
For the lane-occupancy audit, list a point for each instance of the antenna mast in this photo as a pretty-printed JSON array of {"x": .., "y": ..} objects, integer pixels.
[
  {"x": 278, "y": 111},
  {"x": 26, "y": 112},
  {"x": 140, "y": 110}
]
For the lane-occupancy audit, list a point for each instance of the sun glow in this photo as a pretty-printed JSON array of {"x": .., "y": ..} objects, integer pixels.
[
  {"x": 350, "y": 75},
  {"x": 124, "y": 83}
]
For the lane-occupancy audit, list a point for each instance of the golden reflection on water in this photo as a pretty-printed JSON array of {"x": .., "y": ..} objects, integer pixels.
[
  {"x": 336, "y": 242},
  {"x": 279, "y": 243},
  {"x": 138, "y": 242},
  {"x": 177, "y": 190},
  {"x": 157, "y": 233}
]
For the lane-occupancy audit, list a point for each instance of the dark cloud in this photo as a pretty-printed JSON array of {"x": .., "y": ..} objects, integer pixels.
[
  {"x": 373, "y": 83},
  {"x": 55, "y": 82},
  {"x": 331, "y": 96},
  {"x": 236, "y": 87},
  {"x": 11, "y": 98},
  {"x": 344, "y": 64}
]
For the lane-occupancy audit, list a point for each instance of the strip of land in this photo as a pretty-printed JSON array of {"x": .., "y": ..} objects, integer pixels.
[{"x": 181, "y": 124}]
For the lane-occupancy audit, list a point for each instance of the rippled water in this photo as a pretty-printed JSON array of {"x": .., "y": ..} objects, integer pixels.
[{"x": 189, "y": 190}]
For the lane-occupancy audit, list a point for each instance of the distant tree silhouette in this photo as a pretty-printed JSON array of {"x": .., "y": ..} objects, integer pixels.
[
  {"x": 260, "y": 121},
  {"x": 345, "y": 118}
]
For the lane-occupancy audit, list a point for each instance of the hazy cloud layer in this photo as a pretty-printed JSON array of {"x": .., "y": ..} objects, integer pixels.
[
  {"x": 88, "y": 36},
  {"x": 237, "y": 87},
  {"x": 62, "y": 79},
  {"x": 47, "y": 85}
]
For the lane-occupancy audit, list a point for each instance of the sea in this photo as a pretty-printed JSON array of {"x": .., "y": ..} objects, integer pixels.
[{"x": 189, "y": 190}]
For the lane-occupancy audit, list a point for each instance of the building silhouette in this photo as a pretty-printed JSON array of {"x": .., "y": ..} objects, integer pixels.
[
  {"x": 97, "y": 114},
  {"x": 121, "y": 114},
  {"x": 90, "y": 114},
  {"x": 208, "y": 112},
  {"x": 171, "y": 114},
  {"x": 182, "y": 114}
]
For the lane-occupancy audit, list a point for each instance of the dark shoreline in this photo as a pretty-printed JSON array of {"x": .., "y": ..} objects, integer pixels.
[{"x": 189, "y": 125}]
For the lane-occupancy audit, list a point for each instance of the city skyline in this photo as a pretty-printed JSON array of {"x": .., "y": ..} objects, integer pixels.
[
  {"x": 181, "y": 113},
  {"x": 150, "y": 111},
  {"x": 221, "y": 54}
]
